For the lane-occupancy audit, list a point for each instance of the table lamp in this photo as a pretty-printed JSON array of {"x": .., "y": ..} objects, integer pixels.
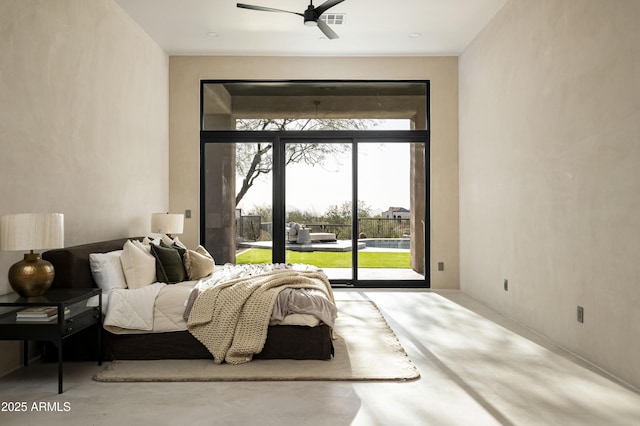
[
  {"x": 166, "y": 223},
  {"x": 31, "y": 276}
]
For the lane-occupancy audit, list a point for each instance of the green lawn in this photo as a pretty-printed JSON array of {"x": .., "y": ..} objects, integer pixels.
[{"x": 326, "y": 259}]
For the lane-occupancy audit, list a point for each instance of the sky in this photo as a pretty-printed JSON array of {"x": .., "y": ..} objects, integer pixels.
[{"x": 383, "y": 180}]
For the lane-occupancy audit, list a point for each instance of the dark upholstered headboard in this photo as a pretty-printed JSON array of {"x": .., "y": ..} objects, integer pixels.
[{"x": 71, "y": 264}]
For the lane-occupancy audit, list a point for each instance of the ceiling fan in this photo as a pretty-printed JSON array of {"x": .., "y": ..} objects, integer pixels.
[{"x": 311, "y": 15}]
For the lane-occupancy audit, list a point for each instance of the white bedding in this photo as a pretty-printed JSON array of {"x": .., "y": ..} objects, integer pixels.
[
  {"x": 161, "y": 308},
  {"x": 157, "y": 308}
]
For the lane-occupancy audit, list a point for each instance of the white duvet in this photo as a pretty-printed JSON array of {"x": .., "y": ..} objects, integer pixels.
[
  {"x": 157, "y": 308},
  {"x": 162, "y": 308},
  {"x": 132, "y": 309}
]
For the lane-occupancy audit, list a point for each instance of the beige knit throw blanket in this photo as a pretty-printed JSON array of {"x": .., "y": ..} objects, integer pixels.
[{"x": 231, "y": 319}]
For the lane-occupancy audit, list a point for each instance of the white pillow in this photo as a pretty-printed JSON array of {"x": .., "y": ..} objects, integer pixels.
[
  {"x": 146, "y": 241},
  {"x": 107, "y": 273},
  {"x": 142, "y": 245},
  {"x": 107, "y": 270},
  {"x": 166, "y": 240},
  {"x": 139, "y": 266}
]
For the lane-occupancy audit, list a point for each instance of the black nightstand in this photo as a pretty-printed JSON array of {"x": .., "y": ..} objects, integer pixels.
[{"x": 74, "y": 313}]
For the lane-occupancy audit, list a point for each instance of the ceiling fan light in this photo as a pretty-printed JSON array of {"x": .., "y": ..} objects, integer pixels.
[{"x": 310, "y": 16}]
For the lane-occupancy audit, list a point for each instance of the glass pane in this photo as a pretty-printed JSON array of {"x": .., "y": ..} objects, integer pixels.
[
  {"x": 312, "y": 104},
  {"x": 238, "y": 202},
  {"x": 254, "y": 206},
  {"x": 307, "y": 124},
  {"x": 318, "y": 207},
  {"x": 386, "y": 228}
]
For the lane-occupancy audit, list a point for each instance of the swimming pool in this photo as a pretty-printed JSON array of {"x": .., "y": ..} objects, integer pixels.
[{"x": 395, "y": 243}]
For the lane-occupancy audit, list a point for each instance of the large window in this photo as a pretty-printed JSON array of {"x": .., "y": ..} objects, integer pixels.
[{"x": 341, "y": 185}]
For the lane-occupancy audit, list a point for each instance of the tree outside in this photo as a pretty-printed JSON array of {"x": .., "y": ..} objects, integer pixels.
[
  {"x": 254, "y": 160},
  {"x": 341, "y": 214}
]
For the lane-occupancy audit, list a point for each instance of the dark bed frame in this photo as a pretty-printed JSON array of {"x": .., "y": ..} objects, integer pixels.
[{"x": 72, "y": 271}]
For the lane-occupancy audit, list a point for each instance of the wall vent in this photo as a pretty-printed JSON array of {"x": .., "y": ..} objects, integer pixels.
[{"x": 333, "y": 18}]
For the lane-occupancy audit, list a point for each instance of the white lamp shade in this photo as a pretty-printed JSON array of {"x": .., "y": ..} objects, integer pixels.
[
  {"x": 31, "y": 231},
  {"x": 165, "y": 223}
]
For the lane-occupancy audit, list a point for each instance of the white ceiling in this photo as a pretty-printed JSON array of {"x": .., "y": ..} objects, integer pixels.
[{"x": 371, "y": 28}]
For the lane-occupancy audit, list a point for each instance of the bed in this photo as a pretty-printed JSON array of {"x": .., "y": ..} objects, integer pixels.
[{"x": 286, "y": 340}]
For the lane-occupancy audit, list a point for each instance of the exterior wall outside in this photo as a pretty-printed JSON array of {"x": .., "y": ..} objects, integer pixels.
[
  {"x": 185, "y": 75},
  {"x": 83, "y": 123},
  {"x": 220, "y": 202},
  {"x": 397, "y": 214},
  {"x": 549, "y": 177}
]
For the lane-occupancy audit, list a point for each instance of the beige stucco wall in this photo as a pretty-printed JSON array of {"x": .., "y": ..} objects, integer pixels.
[
  {"x": 83, "y": 122},
  {"x": 185, "y": 75},
  {"x": 549, "y": 176}
]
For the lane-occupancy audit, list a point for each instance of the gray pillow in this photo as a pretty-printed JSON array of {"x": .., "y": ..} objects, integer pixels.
[{"x": 169, "y": 266}]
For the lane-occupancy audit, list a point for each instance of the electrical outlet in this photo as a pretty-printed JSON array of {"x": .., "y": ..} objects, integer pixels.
[
  {"x": 187, "y": 214},
  {"x": 440, "y": 266},
  {"x": 580, "y": 314},
  {"x": 506, "y": 284}
]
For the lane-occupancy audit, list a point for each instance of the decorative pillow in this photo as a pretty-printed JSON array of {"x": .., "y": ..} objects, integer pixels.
[
  {"x": 198, "y": 263},
  {"x": 147, "y": 241},
  {"x": 139, "y": 267},
  {"x": 169, "y": 265},
  {"x": 144, "y": 245},
  {"x": 181, "y": 250},
  {"x": 294, "y": 228},
  {"x": 167, "y": 240},
  {"x": 107, "y": 270}
]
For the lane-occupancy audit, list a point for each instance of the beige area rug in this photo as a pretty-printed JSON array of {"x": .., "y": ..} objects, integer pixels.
[{"x": 366, "y": 349}]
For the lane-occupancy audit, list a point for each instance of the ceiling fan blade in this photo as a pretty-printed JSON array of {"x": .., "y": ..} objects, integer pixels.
[
  {"x": 326, "y": 5},
  {"x": 327, "y": 30},
  {"x": 265, "y": 9}
]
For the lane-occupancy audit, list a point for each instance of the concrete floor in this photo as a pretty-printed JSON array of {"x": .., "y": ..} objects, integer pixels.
[
  {"x": 374, "y": 274},
  {"x": 477, "y": 368}
]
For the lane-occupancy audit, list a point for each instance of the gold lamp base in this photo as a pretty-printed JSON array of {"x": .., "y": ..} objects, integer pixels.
[{"x": 31, "y": 276}]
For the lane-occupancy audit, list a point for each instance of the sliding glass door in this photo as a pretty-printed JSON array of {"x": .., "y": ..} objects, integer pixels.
[
  {"x": 318, "y": 196},
  {"x": 359, "y": 214},
  {"x": 385, "y": 220}
]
